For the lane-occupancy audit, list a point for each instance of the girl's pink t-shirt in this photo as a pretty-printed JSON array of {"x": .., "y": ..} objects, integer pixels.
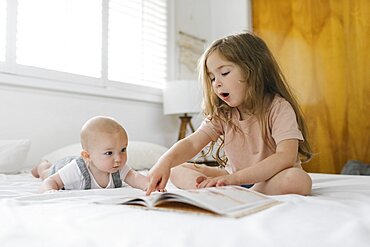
[{"x": 247, "y": 148}]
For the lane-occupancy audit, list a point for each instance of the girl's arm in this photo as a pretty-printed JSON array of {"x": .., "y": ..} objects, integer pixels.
[
  {"x": 54, "y": 182},
  {"x": 179, "y": 153},
  {"x": 285, "y": 157}
]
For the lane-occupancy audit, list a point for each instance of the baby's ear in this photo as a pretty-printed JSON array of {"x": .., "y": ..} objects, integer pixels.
[{"x": 85, "y": 154}]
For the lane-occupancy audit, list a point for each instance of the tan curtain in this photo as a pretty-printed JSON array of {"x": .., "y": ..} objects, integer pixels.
[{"x": 323, "y": 47}]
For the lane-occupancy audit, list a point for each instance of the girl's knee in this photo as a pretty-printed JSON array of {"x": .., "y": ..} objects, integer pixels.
[
  {"x": 178, "y": 172},
  {"x": 175, "y": 171},
  {"x": 183, "y": 176},
  {"x": 296, "y": 181},
  {"x": 189, "y": 167},
  {"x": 183, "y": 169}
]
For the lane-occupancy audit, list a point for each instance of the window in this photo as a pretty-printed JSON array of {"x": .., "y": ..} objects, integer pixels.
[
  {"x": 130, "y": 35},
  {"x": 104, "y": 43},
  {"x": 60, "y": 35}
]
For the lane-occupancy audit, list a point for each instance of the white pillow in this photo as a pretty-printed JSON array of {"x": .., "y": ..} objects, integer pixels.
[
  {"x": 140, "y": 155},
  {"x": 13, "y": 154},
  {"x": 143, "y": 155},
  {"x": 73, "y": 149}
]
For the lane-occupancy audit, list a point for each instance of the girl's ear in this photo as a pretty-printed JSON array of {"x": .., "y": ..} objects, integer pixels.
[{"x": 85, "y": 154}]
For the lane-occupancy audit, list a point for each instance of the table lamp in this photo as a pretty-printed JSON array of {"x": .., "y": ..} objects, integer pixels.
[{"x": 182, "y": 97}]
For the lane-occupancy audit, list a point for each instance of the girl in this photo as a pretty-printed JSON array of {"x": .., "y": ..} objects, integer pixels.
[{"x": 250, "y": 109}]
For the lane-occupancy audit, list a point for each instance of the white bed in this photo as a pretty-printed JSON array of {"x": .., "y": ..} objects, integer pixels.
[{"x": 337, "y": 214}]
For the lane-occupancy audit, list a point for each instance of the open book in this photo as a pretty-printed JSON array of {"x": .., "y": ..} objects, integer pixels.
[{"x": 230, "y": 201}]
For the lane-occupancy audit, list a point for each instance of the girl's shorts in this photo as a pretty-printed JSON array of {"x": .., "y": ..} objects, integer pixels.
[{"x": 247, "y": 186}]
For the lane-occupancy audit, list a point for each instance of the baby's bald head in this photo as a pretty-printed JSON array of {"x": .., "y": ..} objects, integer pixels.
[{"x": 98, "y": 125}]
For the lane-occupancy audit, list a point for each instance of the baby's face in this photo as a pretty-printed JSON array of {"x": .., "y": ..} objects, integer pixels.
[{"x": 108, "y": 152}]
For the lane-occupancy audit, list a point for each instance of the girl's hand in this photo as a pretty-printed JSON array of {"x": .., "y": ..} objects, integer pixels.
[
  {"x": 203, "y": 182},
  {"x": 158, "y": 177}
]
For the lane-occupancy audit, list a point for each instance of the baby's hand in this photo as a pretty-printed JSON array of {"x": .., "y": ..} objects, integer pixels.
[{"x": 50, "y": 191}]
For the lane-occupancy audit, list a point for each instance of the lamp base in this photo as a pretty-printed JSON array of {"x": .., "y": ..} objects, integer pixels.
[{"x": 185, "y": 121}]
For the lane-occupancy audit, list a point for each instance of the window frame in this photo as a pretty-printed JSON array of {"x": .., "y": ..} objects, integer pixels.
[{"x": 16, "y": 75}]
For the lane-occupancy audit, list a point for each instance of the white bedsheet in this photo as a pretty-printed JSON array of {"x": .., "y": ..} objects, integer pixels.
[{"x": 337, "y": 214}]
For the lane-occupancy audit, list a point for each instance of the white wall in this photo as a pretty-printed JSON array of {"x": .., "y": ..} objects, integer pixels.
[
  {"x": 230, "y": 17},
  {"x": 53, "y": 119},
  {"x": 208, "y": 20},
  {"x": 191, "y": 17}
]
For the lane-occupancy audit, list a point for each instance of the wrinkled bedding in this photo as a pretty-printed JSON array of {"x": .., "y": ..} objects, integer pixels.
[{"x": 337, "y": 214}]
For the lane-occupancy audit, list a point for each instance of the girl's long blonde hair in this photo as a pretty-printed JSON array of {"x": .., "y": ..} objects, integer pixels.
[{"x": 264, "y": 80}]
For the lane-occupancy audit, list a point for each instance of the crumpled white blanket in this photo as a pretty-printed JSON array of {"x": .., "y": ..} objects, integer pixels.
[{"x": 337, "y": 214}]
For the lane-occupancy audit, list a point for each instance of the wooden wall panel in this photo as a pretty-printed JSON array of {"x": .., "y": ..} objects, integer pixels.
[{"x": 323, "y": 47}]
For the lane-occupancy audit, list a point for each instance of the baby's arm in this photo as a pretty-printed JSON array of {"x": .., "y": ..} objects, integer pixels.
[
  {"x": 136, "y": 180},
  {"x": 54, "y": 182}
]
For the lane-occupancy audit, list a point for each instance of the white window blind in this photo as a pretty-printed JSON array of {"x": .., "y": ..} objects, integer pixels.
[
  {"x": 137, "y": 41},
  {"x": 109, "y": 41}
]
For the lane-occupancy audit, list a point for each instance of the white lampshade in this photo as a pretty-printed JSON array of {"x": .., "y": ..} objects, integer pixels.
[{"x": 182, "y": 96}]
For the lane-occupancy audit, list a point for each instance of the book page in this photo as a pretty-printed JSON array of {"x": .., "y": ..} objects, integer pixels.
[
  {"x": 222, "y": 200},
  {"x": 129, "y": 196},
  {"x": 232, "y": 201}
]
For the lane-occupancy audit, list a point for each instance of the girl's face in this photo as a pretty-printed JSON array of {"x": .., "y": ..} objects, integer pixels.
[
  {"x": 227, "y": 79},
  {"x": 108, "y": 151}
]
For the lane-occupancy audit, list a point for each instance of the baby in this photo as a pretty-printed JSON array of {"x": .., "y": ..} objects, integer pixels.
[{"x": 102, "y": 163}]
